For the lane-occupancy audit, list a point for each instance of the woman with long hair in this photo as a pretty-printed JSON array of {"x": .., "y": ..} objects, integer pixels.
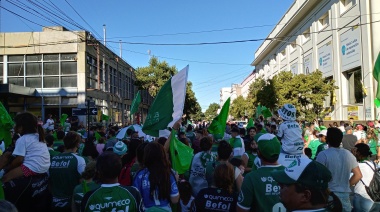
[
  {"x": 156, "y": 182},
  {"x": 223, "y": 189},
  {"x": 129, "y": 163},
  {"x": 372, "y": 142}
]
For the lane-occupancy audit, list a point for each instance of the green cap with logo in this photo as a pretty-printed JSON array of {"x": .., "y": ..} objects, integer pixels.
[
  {"x": 269, "y": 146},
  {"x": 305, "y": 172}
]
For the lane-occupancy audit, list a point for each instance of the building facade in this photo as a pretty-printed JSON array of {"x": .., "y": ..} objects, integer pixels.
[
  {"x": 338, "y": 37},
  {"x": 54, "y": 71}
]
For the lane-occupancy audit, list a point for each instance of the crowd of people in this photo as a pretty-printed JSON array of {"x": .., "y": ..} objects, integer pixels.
[{"x": 279, "y": 164}]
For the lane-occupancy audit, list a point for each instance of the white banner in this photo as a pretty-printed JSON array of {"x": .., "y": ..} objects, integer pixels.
[
  {"x": 325, "y": 59},
  {"x": 308, "y": 63},
  {"x": 350, "y": 48}
]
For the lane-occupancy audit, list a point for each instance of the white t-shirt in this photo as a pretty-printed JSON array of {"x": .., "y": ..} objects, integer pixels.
[
  {"x": 36, "y": 154},
  {"x": 367, "y": 173},
  {"x": 291, "y": 137},
  {"x": 50, "y": 124}
]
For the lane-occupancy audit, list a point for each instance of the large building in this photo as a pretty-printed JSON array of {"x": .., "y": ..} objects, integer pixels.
[
  {"x": 54, "y": 71},
  {"x": 338, "y": 37}
]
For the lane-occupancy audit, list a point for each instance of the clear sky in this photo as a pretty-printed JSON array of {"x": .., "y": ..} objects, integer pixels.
[{"x": 155, "y": 21}]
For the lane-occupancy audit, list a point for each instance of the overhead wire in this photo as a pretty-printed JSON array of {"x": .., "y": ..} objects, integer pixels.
[
  {"x": 234, "y": 41},
  {"x": 221, "y": 30}
]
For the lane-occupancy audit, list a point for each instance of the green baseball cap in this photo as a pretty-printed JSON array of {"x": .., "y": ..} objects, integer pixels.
[
  {"x": 305, "y": 172},
  {"x": 269, "y": 146}
]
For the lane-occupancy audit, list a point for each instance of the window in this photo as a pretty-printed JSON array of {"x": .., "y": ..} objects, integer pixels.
[
  {"x": 344, "y": 5},
  {"x": 323, "y": 22},
  {"x": 68, "y": 67},
  {"x": 70, "y": 81},
  {"x": 33, "y": 57},
  {"x": 283, "y": 54},
  {"x": 51, "y": 68},
  {"x": 355, "y": 87},
  {"x": 33, "y": 69},
  {"x": 33, "y": 82},
  {"x": 15, "y": 58},
  {"x": 306, "y": 35},
  {"x": 15, "y": 69},
  {"x": 1, "y": 70},
  {"x": 293, "y": 46},
  {"x": 51, "y": 82},
  {"x": 68, "y": 56},
  {"x": 16, "y": 81},
  {"x": 51, "y": 57}
]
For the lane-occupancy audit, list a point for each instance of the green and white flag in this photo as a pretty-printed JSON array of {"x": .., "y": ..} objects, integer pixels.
[
  {"x": 136, "y": 103},
  {"x": 218, "y": 124},
  {"x": 376, "y": 75},
  {"x": 167, "y": 107}
]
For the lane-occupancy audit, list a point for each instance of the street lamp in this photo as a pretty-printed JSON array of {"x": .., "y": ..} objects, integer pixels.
[{"x": 303, "y": 52}]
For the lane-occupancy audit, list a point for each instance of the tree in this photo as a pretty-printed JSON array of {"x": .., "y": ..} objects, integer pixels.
[
  {"x": 252, "y": 98},
  {"x": 305, "y": 92},
  {"x": 238, "y": 107},
  {"x": 154, "y": 76},
  {"x": 267, "y": 96},
  {"x": 211, "y": 111},
  {"x": 199, "y": 116},
  {"x": 191, "y": 106}
]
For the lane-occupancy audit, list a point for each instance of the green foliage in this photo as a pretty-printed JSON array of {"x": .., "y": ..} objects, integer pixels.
[
  {"x": 305, "y": 92},
  {"x": 154, "y": 76},
  {"x": 191, "y": 106},
  {"x": 267, "y": 96},
  {"x": 211, "y": 111},
  {"x": 238, "y": 108}
]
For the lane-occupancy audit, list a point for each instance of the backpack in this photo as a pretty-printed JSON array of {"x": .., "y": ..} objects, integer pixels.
[
  {"x": 374, "y": 186},
  {"x": 125, "y": 177}
]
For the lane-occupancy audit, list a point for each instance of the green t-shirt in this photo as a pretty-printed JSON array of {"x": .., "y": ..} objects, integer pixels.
[
  {"x": 112, "y": 197},
  {"x": 251, "y": 160},
  {"x": 313, "y": 145},
  {"x": 78, "y": 193},
  {"x": 373, "y": 146},
  {"x": 260, "y": 192},
  {"x": 238, "y": 146},
  {"x": 321, "y": 147},
  {"x": 56, "y": 144},
  {"x": 53, "y": 153},
  {"x": 64, "y": 173}
]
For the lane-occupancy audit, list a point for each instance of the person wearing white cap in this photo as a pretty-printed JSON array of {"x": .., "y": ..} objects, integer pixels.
[
  {"x": 289, "y": 131},
  {"x": 314, "y": 144},
  {"x": 290, "y": 134},
  {"x": 304, "y": 187}
]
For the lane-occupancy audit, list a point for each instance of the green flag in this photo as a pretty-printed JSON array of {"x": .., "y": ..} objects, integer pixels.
[
  {"x": 250, "y": 123},
  {"x": 6, "y": 124},
  {"x": 136, "y": 103},
  {"x": 376, "y": 75},
  {"x": 218, "y": 124},
  {"x": 258, "y": 111},
  {"x": 105, "y": 117},
  {"x": 97, "y": 136},
  {"x": 181, "y": 155},
  {"x": 266, "y": 112},
  {"x": 167, "y": 107},
  {"x": 63, "y": 118}
]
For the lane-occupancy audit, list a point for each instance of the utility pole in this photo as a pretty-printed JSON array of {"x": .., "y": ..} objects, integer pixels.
[{"x": 121, "y": 49}]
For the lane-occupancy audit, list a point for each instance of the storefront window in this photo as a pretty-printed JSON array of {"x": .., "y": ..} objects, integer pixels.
[{"x": 355, "y": 87}]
